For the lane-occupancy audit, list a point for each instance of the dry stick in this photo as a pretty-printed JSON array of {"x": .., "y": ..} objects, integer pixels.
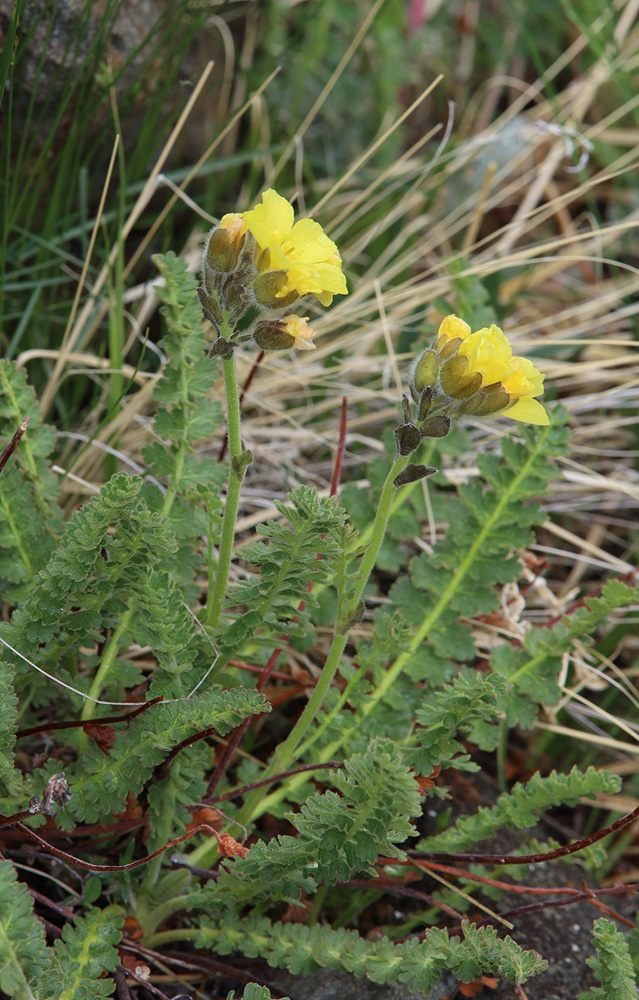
[
  {"x": 48, "y": 727},
  {"x": 579, "y": 897},
  {"x": 386, "y": 885},
  {"x": 68, "y": 340},
  {"x": 191, "y": 174},
  {"x": 197, "y": 962},
  {"x": 233, "y": 743},
  {"x": 13, "y": 444}
]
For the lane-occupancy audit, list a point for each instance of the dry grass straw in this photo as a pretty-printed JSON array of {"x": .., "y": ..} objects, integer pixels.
[{"x": 573, "y": 308}]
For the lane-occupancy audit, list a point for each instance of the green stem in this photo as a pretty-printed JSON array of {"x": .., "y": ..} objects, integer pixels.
[
  {"x": 286, "y": 752},
  {"x": 236, "y": 474},
  {"x": 172, "y": 490},
  {"x": 168, "y": 937},
  {"x": 396, "y": 668},
  {"x": 390, "y": 676},
  {"x": 108, "y": 659}
]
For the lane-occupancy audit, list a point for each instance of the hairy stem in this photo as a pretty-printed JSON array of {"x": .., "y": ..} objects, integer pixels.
[{"x": 233, "y": 494}]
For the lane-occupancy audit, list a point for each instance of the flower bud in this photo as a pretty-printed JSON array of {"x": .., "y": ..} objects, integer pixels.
[
  {"x": 271, "y": 337},
  {"x": 425, "y": 370},
  {"x": 278, "y": 334},
  {"x": 271, "y": 289},
  {"x": 210, "y": 307},
  {"x": 224, "y": 244},
  {"x": 221, "y": 252},
  {"x": 453, "y": 380}
]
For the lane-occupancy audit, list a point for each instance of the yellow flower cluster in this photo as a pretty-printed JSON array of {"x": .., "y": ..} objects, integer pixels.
[
  {"x": 479, "y": 374},
  {"x": 302, "y": 251},
  {"x": 256, "y": 264}
]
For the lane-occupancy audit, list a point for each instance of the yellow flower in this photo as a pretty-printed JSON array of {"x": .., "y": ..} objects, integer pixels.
[
  {"x": 302, "y": 250},
  {"x": 480, "y": 374},
  {"x": 297, "y": 327},
  {"x": 279, "y": 334}
]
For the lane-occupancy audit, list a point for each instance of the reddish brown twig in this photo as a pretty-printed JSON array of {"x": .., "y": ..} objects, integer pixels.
[
  {"x": 341, "y": 445},
  {"x": 235, "y": 793},
  {"x": 525, "y": 859},
  {"x": 168, "y": 760},
  {"x": 49, "y": 727},
  {"x": 32, "y": 835},
  {"x": 387, "y": 885},
  {"x": 13, "y": 443}
]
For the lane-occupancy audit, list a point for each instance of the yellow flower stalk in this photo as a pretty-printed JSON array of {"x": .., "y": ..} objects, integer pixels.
[
  {"x": 477, "y": 374},
  {"x": 309, "y": 259}
]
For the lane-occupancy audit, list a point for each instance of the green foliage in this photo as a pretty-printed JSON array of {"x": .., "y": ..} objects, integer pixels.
[
  {"x": 253, "y": 992},
  {"x": 29, "y": 516},
  {"x": 80, "y": 959},
  {"x": 532, "y": 668},
  {"x": 100, "y": 782},
  {"x": 612, "y": 965},
  {"x": 187, "y": 413},
  {"x": 105, "y": 568},
  {"x": 418, "y": 964},
  {"x": 469, "y": 704},
  {"x": 10, "y": 778},
  {"x": 520, "y": 807},
  {"x": 339, "y": 834},
  {"x": 292, "y": 558},
  {"x": 23, "y": 952}
]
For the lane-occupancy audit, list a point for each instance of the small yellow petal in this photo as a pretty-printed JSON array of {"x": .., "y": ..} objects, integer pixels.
[
  {"x": 452, "y": 327},
  {"x": 530, "y": 411}
]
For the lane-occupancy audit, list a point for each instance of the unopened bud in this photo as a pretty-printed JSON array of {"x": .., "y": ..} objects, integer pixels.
[
  {"x": 270, "y": 290},
  {"x": 221, "y": 251},
  {"x": 489, "y": 400},
  {"x": 271, "y": 337},
  {"x": 210, "y": 307},
  {"x": 425, "y": 370}
]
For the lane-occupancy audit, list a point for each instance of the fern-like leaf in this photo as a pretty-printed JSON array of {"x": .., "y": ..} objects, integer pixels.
[
  {"x": 519, "y": 807},
  {"x": 338, "y": 834},
  {"x": 612, "y": 966},
  {"x": 80, "y": 959},
  {"x": 10, "y": 777},
  {"x": 29, "y": 516},
  {"x": 419, "y": 964},
  {"x": 291, "y": 557},
  {"x": 23, "y": 951},
  {"x": 253, "y": 992}
]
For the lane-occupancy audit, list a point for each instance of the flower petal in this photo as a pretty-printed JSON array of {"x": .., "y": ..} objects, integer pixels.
[{"x": 530, "y": 411}]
